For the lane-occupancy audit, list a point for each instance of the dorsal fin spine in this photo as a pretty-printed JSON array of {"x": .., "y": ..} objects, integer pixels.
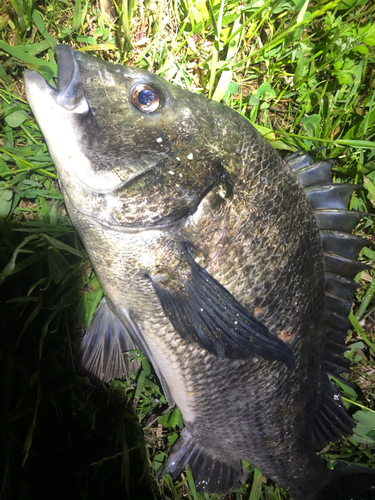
[{"x": 341, "y": 248}]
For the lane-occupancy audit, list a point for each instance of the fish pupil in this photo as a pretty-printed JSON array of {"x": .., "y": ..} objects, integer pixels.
[{"x": 145, "y": 97}]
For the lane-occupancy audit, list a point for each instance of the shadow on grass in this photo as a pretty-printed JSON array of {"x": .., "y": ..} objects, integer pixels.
[{"x": 60, "y": 437}]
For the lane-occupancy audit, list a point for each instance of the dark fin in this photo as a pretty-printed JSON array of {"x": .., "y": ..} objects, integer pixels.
[
  {"x": 298, "y": 162},
  {"x": 102, "y": 355},
  {"x": 332, "y": 420},
  {"x": 335, "y": 222},
  {"x": 211, "y": 474},
  {"x": 330, "y": 196},
  {"x": 203, "y": 311},
  {"x": 336, "y": 264},
  {"x": 317, "y": 173},
  {"x": 339, "y": 243},
  {"x": 349, "y": 483},
  {"x": 301, "y": 159},
  {"x": 338, "y": 304},
  {"x": 337, "y": 321},
  {"x": 341, "y": 286}
]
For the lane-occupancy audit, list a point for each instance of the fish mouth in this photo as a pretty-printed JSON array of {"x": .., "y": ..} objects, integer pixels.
[
  {"x": 69, "y": 92},
  {"x": 67, "y": 77}
]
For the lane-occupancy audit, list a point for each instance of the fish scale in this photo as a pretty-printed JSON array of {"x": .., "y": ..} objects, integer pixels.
[{"x": 230, "y": 277}]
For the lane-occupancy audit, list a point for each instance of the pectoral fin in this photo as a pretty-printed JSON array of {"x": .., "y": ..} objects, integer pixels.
[
  {"x": 201, "y": 310},
  {"x": 102, "y": 355}
]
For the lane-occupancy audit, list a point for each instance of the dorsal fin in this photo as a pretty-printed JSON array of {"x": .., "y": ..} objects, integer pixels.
[
  {"x": 341, "y": 249},
  {"x": 317, "y": 173},
  {"x": 338, "y": 220},
  {"x": 330, "y": 195},
  {"x": 342, "y": 266},
  {"x": 339, "y": 285},
  {"x": 341, "y": 243}
]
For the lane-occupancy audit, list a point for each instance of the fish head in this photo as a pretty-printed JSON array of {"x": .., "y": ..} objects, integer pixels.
[{"x": 131, "y": 149}]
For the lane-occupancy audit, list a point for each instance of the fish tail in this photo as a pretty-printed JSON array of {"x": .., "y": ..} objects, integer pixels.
[
  {"x": 349, "y": 483},
  {"x": 211, "y": 474}
]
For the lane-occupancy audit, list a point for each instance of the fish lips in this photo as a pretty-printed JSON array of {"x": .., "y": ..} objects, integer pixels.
[
  {"x": 69, "y": 93},
  {"x": 69, "y": 88}
]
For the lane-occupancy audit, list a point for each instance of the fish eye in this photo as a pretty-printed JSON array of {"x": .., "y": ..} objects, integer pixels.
[{"x": 146, "y": 98}]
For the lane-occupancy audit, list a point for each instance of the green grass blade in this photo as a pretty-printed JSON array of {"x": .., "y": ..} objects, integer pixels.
[{"x": 39, "y": 23}]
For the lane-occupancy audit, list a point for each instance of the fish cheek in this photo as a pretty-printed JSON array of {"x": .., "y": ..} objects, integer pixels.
[
  {"x": 121, "y": 149},
  {"x": 165, "y": 193}
]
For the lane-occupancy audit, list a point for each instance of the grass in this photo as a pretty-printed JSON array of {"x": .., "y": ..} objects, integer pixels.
[{"x": 303, "y": 72}]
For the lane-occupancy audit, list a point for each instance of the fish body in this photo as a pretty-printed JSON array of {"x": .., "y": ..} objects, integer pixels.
[{"x": 218, "y": 258}]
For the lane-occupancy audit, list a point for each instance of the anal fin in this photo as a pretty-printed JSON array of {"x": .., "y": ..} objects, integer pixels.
[
  {"x": 211, "y": 474},
  {"x": 102, "y": 355}
]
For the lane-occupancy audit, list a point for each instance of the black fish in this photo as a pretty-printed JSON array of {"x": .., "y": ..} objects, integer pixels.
[{"x": 229, "y": 267}]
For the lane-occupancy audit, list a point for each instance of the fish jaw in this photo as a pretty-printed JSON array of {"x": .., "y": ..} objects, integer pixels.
[
  {"x": 59, "y": 113},
  {"x": 58, "y": 125}
]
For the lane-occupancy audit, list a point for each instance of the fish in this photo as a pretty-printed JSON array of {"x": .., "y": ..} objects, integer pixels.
[{"x": 228, "y": 266}]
